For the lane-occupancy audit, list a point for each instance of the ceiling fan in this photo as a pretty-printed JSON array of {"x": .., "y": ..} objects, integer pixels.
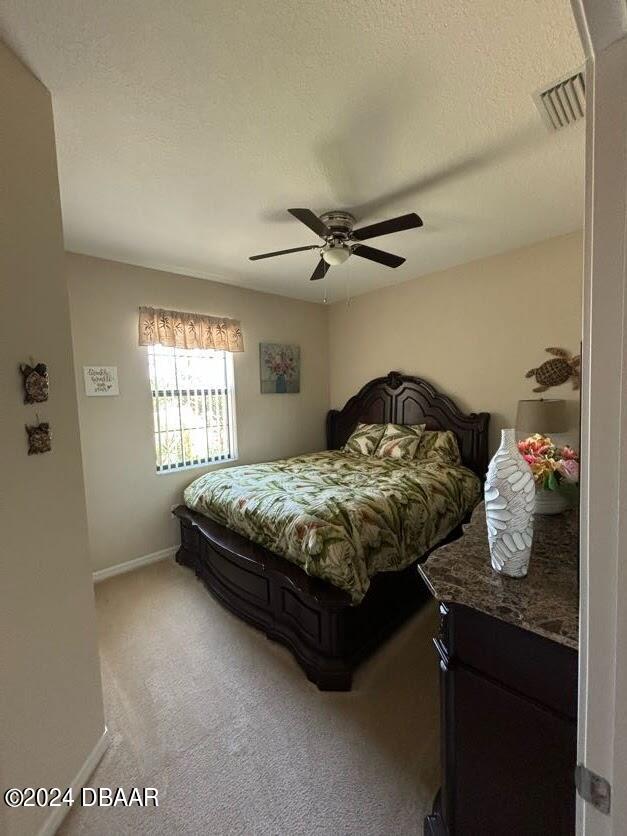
[{"x": 341, "y": 240}]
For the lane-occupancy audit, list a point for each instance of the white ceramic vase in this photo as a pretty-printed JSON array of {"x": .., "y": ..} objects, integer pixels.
[
  {"x": 509, "y": 505},
  {"x": 550, "y": 502}
]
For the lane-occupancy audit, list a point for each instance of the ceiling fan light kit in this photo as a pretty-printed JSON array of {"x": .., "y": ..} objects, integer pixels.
[
  {"x": 335, "y": 254},
  {"x": 341, "y": 240}
]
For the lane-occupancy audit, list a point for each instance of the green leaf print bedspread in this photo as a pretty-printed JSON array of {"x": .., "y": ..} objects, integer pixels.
[{"x": 340, "y": 516}]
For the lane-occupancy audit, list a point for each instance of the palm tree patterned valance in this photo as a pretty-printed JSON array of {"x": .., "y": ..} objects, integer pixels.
[{"x": 189, "y": 330}]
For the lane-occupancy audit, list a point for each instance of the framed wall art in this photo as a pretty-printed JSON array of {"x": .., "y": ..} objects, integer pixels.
[{"x": 279, "y": 366}]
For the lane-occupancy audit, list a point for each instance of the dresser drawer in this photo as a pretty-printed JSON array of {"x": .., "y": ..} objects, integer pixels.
[{"x": 525, "y": 662}]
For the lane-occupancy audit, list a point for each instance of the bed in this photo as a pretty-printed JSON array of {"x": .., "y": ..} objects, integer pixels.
[{"x": 340, "y": 590}]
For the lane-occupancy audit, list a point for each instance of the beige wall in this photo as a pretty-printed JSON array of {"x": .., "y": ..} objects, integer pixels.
[
  {"x": 473, "y": 330},
  {"x": 50, "y": 697},
  {"x": 128, "y": 503}
]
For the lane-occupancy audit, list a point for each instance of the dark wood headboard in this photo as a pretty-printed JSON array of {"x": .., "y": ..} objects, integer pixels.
[{"x": 401, "y": 399}]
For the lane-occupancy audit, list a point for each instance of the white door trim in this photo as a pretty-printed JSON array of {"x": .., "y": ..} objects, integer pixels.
[{"x": 602, "y": 738}]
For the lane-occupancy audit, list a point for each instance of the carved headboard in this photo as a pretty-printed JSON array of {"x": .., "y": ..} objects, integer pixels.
[{"x": 401, "y": 399}]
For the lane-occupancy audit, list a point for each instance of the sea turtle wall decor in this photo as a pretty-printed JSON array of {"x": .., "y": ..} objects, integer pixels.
[
  {"x": 561, "y": 367},
  {"x": 35, "y": 382}
]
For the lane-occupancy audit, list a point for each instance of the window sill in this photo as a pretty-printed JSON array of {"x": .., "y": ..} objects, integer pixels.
[{"x": 185, "y": 467}]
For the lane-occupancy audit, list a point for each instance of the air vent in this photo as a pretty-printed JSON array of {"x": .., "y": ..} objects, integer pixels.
[{"x": 563, "y": 103}]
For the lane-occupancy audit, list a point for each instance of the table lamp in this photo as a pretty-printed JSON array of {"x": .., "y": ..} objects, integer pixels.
[{"x": 547, "y": 417}]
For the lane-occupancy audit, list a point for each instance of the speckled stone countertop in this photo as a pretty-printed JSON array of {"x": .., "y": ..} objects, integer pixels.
[{"x": 545, "y": 602}]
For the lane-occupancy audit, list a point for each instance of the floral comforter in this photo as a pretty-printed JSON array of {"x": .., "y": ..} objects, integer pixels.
[{"x": 341, "y": 517}]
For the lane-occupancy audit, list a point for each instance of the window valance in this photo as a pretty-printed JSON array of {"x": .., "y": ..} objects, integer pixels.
[{"x": 188, "y": 330}]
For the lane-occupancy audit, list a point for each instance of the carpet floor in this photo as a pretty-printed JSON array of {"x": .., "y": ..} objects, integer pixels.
[{"x": 234, "y": 737}]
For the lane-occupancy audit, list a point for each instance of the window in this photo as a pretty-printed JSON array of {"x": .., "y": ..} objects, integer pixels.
[{"x": 192, "y": 404}]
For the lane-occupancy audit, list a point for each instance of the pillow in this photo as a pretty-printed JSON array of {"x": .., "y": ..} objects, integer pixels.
[
  {"x": 364, "y": 439},
  {"x": 439, "y": 444},
  {"x": 399, "y": 441}
]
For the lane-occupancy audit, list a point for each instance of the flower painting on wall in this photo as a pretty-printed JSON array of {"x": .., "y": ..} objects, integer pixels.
[{"x": 279, "y": 368}]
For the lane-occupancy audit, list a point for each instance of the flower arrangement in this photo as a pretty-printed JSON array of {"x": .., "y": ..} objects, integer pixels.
[
  {"x": 280, "y": 362},
  {"x": 551, "y": 465}
]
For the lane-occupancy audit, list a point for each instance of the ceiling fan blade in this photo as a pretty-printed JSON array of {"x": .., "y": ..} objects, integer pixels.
[
  {"x": 307, "y": 217},
  {"x": 379, "y": 256},
  {"x": 283, "y": 252},
  {"x": 320, "y": 271},
  {"x": 410, "y": 221}
]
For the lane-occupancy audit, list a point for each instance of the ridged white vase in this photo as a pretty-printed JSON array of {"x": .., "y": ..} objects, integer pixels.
[{"x": 509, "y": 504}]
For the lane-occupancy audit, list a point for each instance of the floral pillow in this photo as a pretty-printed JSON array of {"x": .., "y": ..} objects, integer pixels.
[
  {"x": 399, "y": 441},
  {"x": 439, "y": 444},
  {"x": 364, "y": 439}
]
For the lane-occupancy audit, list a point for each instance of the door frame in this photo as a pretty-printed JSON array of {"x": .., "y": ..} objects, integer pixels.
[{"x": 602, "y": 731}]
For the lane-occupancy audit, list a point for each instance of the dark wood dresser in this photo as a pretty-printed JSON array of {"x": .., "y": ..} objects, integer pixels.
[{"x": 508, "y": 676}]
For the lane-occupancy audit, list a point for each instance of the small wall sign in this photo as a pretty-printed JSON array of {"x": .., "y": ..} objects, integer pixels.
[{"x": 101, "y": 380}]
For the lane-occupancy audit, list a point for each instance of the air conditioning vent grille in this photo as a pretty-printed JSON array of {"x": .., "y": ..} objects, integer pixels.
[{"x": 563, "y": 103}]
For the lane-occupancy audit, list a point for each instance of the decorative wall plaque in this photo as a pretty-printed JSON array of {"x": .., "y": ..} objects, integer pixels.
[
  {"x": 560, "y": 368},
  {"x": 39, "y": 438},
  {"x": 101, "y": 380},
  {"x": 35, "y": 382}
]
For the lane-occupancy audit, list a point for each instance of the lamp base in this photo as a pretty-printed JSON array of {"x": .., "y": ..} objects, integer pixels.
[{"x": 550, "y": 502}]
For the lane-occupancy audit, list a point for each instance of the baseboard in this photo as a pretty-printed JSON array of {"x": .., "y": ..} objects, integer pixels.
[
  {"x": 53, "y": 822},
  {"x": 130, "y": 565}
]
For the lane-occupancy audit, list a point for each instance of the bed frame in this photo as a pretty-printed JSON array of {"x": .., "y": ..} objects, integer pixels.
[{"x": 314, "y": 619}]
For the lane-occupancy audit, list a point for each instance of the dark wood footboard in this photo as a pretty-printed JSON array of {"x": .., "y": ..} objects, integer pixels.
[{"x": 314, "y": 619}]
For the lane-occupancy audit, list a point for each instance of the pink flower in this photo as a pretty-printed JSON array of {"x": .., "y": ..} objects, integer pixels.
[
  {"x": 568, "y": 452},
  {"x": 568, "y": 470},
  {"x": 530, "y": 459}
]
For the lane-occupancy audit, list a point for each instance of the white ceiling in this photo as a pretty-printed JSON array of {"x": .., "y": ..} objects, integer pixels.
[{"x": 186, "y": 128}]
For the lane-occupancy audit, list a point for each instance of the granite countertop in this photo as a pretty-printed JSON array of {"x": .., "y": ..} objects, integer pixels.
[{"x": 545, "y": 602}]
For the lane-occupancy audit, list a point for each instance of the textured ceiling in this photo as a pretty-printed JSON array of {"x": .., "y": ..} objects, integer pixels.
[{"x": 186, "y": 128}]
